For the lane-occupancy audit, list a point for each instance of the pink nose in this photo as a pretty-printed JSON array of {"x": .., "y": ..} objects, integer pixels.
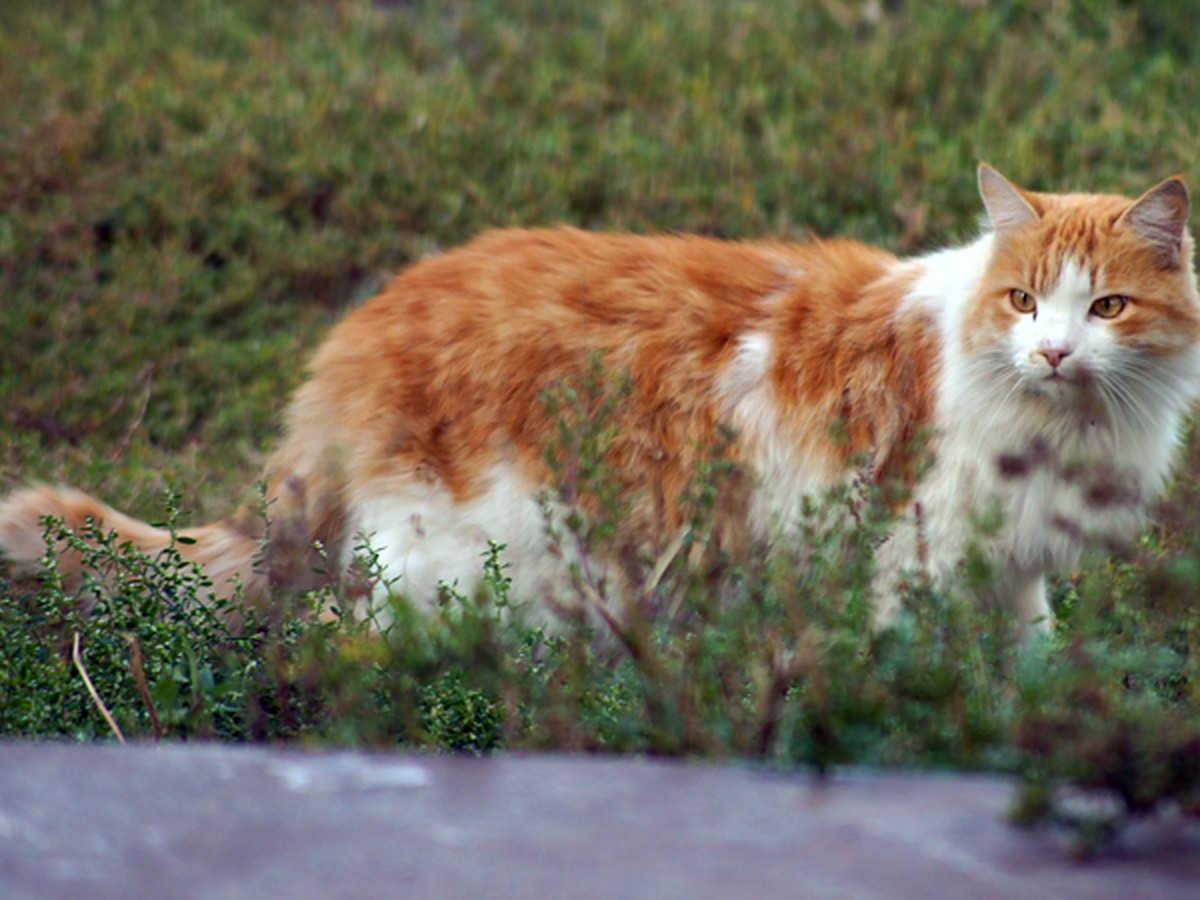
[{"x": 1054, "y": 355}]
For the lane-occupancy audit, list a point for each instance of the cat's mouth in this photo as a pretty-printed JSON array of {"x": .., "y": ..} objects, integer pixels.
[{"x": 1060, "y": 382}]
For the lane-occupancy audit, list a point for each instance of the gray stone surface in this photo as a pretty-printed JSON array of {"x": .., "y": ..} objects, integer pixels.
[{"x": 229, "y": 822}]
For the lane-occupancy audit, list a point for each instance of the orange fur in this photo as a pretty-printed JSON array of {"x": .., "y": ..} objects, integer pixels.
[
  {"x": 445, "y": 371},
  {"x": 226, "y": 552},
  {"x": 1074, "y": 227}
]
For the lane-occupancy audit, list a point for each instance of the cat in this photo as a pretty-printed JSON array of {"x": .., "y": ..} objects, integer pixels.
[{"x": 1044, "y": 369}]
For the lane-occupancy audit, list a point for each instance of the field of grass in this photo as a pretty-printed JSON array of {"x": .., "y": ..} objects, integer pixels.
[{"x": 192, "y": 191}]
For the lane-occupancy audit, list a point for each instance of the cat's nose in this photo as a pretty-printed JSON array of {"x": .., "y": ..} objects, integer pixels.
[{"x": 1054, "y": 355}]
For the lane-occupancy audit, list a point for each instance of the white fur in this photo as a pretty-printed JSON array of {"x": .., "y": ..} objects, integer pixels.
[
  {"x": 786, "y": 473},
  {"x": 424, "y": 537},
  {"x": 1062, "y": 447}
]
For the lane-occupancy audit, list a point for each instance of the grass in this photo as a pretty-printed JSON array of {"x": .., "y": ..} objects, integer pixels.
[{"x": 191, "y": 192}]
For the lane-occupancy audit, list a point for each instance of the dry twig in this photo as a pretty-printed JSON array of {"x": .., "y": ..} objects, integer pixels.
[
  {"x": 139, "y": 675},
  {"x": 77, "y": 658}
]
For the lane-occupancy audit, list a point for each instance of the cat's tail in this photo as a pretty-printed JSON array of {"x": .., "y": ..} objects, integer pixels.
[{"x": 228, "y": 551}]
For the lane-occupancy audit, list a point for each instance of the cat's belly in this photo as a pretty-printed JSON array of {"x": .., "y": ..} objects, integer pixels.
[
  {"x": 1029, "y": 520},
  {"x": 421, "y": 537}
]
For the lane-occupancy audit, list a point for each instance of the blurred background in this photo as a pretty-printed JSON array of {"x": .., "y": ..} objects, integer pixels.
[{"x": 190, "y": 191}]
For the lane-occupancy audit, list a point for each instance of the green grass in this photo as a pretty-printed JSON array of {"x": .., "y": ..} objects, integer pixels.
[{"x": 191, "y": 192}]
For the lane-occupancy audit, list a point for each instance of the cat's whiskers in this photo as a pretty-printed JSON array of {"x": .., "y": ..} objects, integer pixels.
[
  {"x": 1118, "y": 405},
  {"x": 1142, "y": 383},
  {"x": 985, "y": 376},
  {"x": 1142, "y": 389},
  {"x": 1001, "y": 409}
]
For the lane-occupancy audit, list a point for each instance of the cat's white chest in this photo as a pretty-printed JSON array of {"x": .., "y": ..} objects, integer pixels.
[{"x": 1032, "y": 503}]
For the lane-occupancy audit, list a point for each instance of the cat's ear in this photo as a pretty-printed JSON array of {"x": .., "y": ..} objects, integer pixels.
[
  {"x": 1160, "y": 215},
  {"x": 1006, "y": 205}
]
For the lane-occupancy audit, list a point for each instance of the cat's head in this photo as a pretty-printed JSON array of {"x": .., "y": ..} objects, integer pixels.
[{"x": 1087, "y": 294}]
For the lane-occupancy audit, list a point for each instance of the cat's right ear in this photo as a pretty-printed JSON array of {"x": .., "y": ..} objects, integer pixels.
[
  {"x": 1160, "y": 215},
  {"x": 1006, "y": 205}
]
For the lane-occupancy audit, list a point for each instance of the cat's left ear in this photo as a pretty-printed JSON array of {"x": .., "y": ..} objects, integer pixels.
[{"x": 1160, "y": 215}]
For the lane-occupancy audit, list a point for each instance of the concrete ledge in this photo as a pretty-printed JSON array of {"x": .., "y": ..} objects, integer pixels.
[{"x": 231, "y": 822}]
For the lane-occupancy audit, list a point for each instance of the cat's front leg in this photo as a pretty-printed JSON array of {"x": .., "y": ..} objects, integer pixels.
[{"x": 1031, "y": 608}]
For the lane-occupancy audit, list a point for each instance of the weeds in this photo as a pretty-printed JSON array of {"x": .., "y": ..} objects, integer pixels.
[{"x": 767, "y": 656}]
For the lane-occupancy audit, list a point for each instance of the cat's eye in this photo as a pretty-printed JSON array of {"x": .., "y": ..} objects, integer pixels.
[
  {"x": 1022, "y": 301},
  {"x": 1110, "y": 307}
]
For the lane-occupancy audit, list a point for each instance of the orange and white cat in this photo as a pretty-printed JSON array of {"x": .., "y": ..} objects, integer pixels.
[{"x": 1050, "y": 365}]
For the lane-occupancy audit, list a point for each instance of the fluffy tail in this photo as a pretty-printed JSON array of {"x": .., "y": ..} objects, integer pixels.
[{"x": 230, "y": 554}]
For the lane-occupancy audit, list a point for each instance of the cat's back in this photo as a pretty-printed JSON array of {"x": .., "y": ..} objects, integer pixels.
[
  {"x": 536, "y": 296},
  {"x": 455, "y": 356},
  {"x": 519, "y": 281}
]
